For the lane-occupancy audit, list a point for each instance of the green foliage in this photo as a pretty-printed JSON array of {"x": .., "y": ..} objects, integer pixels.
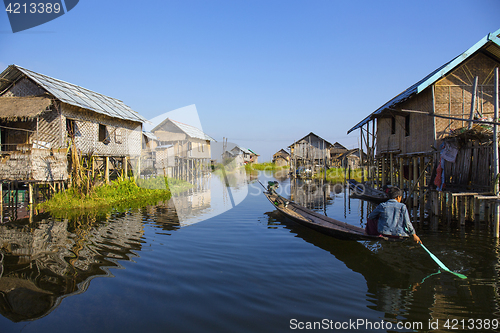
[
  {"x": 266, "y": 166},
  {"x": 119, "y": 194},
  {"x": 161, "y": 183},
  {"x": 335, "y": 175}
]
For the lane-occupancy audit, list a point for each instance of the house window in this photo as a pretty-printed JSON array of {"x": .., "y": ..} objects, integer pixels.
[
  {"x": 103, "y": 134},
  {"x": 393, "y": 125},
  {"x": 407, "y": 125},
  {"x": 70, "y": 127}
]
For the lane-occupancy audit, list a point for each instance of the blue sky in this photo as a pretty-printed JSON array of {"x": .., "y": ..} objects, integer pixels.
[{"x": 261, "y": 73}]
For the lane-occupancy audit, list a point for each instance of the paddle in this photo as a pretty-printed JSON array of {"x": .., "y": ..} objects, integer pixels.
[{"x": 442, "y": 265}]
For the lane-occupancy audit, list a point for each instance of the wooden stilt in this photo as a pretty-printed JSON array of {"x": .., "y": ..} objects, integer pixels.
[
  {"x": 421, "y": 187},
  {"x": 382, "y": 159},
  {"x": 391, "y": 168},
  {"x": 415, "y": 178},
  {"x": 106, "y": 169},
  {"x": 401, "y": 178},
  {"x": 30, "y": 194}
]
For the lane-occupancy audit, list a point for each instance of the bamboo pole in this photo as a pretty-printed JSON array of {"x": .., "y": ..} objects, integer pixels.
[
  {"x": 30, "y": 194},
  {"x": 106, "y": 169},
  {"x": 125, "y": 166},
  {"x": 473, "y": 102}
]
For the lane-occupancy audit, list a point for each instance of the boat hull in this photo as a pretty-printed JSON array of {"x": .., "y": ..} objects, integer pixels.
[{"x": 321, "y": 223}]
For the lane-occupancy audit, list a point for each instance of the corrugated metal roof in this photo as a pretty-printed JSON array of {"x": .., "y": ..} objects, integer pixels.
[
  {"x": 73, "y": 94},
  {"x": 191, "y": 131},
  {"x": 492, "y": 41},
  {"x": 150, "y": 135}
]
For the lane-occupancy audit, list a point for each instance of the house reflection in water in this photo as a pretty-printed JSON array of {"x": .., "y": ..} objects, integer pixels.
[{"x": 42, "y": 262}]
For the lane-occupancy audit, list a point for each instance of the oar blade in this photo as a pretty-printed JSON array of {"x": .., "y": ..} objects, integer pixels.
[{"x": 440, "y": 264}]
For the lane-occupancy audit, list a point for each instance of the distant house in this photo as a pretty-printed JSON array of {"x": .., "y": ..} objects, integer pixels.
[
  {"x": 337, "y": 148},
  {"x": 41, "y": 117},
  {"x": 281, "y": 158},
  {"x": 242, "y": 155},
  {"x": 148, "y": 155},
  {"x": 183, "y": 150},
  {"x": 311, "y": 151},
  {"x": 350, "y": 158}
]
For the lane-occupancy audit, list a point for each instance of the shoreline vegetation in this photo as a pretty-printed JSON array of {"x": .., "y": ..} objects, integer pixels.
[
  {"x": 337, "y": 175},
  {"x": 120, "y": 194}
]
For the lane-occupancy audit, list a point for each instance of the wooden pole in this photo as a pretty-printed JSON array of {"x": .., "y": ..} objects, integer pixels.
[
  {"x": 30, "y": 193},
  {"x": 415, "y": 180},
  {"x": 382, "y": 159},
  {"x": 473, "y": 102},
  {"x": 106, "y": 169},
  {"x": 495, "y": 155},
  {"x": 391, "y": 167},
  {"x": 125, "y": 167},
  {"x": 421, "y": 187},
  {"x": 401, "y": 173},
  {"x": 361, "y": 162}
]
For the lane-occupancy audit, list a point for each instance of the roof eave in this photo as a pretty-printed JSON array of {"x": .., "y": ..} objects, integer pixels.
[{"x": 426, "y": 82}]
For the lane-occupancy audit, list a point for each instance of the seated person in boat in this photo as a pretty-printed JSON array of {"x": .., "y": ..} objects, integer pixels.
[{"x": 393, "y": 218}]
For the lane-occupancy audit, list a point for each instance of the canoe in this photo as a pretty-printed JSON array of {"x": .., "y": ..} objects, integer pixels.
[
  {"x": 365, "y": 192},
  {"x": 319, "y": 222}
]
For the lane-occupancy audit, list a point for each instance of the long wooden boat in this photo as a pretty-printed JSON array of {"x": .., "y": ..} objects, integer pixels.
[
  {"x": 319, "y": 222},
  {"x": 361, "y": 191}
]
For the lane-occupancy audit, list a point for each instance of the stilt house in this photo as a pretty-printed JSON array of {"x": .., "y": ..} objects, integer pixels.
[
  {"x": 183, "y": 150},
  {"x": 41, "y": 117},
  {"x": 311, "y": 151},
  {"x": 446, "y": 116},
  {"x": 281, "y": 158}
]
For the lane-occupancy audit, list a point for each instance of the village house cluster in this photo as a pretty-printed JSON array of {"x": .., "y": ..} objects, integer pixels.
[
  {"x": 42, "y": 119},
  {"x": 435, "y": 139}
]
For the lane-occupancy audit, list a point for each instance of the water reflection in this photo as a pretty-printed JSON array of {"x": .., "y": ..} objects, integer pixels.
[
  {"x": 211, "y": 195},
  {"x": 403, "y": 283},
  {"x": 45, "y": 261}
]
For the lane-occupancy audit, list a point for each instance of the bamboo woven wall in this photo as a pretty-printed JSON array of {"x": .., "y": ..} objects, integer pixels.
[
  {"x": 125, "y": 137},
  {"x": 453, "y": 93},
  {"x": 36, "y": 164}
]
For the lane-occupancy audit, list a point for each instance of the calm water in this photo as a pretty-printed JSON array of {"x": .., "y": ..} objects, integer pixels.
[{"x": 248, "y": 269}]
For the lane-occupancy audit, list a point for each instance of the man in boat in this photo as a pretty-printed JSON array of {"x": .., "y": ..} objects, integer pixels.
[{"x": 393, "y": 218}]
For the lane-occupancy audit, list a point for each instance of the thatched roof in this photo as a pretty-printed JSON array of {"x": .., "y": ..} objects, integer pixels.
[{"x": 22, "y": 108}]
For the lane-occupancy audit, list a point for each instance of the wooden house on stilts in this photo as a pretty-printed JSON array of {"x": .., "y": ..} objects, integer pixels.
[
  {"x": 435, "y": 139},
  {"x": 312, "y": 152},
  {"x": 42, "y": 118},
  {"x": 183, "y": 151}
]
